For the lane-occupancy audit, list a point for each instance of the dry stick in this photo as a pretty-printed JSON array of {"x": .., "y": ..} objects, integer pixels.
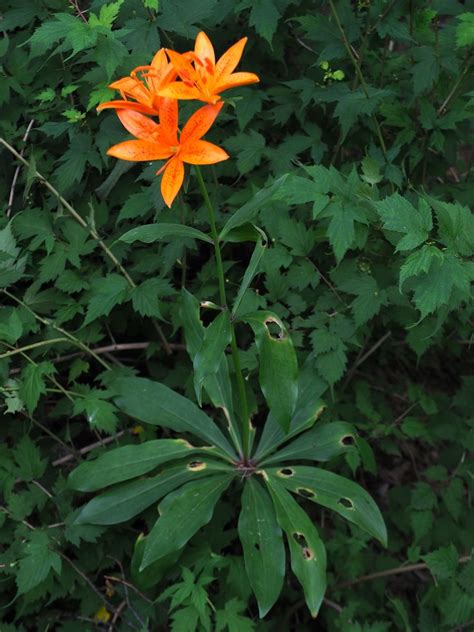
[
  {"x": 92, "y": 232},
  {"x": 409, "y": 568},
  {"x": 88, "y": 448},
  {"x": 17, "y": 170}
]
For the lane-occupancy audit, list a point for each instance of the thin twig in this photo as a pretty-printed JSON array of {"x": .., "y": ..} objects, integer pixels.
[
  {"x": 88, "y": 448},
  {"x": 399, "y": 570},
  {"x": 444, "y": 106},
  {"x": 112, "y": 578},
  {"x": 17, "y": 170}
]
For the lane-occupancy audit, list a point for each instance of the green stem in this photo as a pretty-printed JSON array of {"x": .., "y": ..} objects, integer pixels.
[{"x": 235, "y": 350}]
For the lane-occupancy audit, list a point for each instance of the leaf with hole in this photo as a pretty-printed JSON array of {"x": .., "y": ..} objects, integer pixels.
[
  {"x": 190, "y": 507},
  {"x": 122, "y": 502},
  {"x": 308, "y": 555},
  {"x": 121, "y": 464},
  {"x": 336, "y": 492},
  {"x": 262, "y": 542},
  {"x": 321, "y": 443},
  {"x": 278, "y": 373}
]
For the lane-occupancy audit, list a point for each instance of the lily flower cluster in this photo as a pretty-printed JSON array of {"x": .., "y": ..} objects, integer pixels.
[{"x": 154, "y": 91}]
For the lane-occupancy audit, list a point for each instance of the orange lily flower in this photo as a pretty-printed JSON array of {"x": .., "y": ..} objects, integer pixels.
[
  {"x": 158, "y": 142},
  {"x": 203, "y": 78},
  {"x": 143, "y": 86}
]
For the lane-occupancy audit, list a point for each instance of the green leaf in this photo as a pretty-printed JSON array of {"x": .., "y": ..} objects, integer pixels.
[
  {"x": 308, "y": 408},
  {"x": 150, "y": 233},
  {"x": 231, "y": 619},
  {"x": 308, "y": 555},
  {"x": 11, "y": 329},
  {"x": 32, "y": 384},
  {"x": 122, "y": 502},
  {"x": 335, "y": 492},
  {"x": 28, "y": 458},
  {"x": 443, "y": 562},
  {"x": 264, "y": 16},
  {"x": 399, "y": 215},
  {"x": 278, "y": 374},
  {"x": 419, "y": 261},
  {"x": 37, "y": 562},
  {"x": 264, "y": 553},
  {"x": 341, "y": 231},
  {"x": 130, "y": 461},
  {"x": 465, "y": 30},
  {"x": 426, "y": 69},
  {"x": 99, "y": 412},
  {"x": 156, "y": 404},
  {"x": 249, "y": 210},
  {"x": 146, "y": 296},
  {"x": 182, "y": 514},
  {"x": 322, "y": 443},
  {"x": 249, "y": 148},
  {"x": 104, "y": 295},
  {"x": 435, "y": 288},
  {"x": 208, "y": 359},
  {"x": 249, "y": 274}
]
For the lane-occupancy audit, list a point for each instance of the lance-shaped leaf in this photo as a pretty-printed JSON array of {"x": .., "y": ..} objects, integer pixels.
[
  {"x": 340, "y": 494},
  {"x": 308, "y": 555},
  {"x": 218, "y": 386},
  {"x": 150, "y": 233},
  {"x": 278, "y": 373},
  {"x": 250, "y": 273},
  {"x": 129, "y": 461},
  {"x": 122, "y": 502},
  {"x": 182, "y": 514},
  {"x": 308, "y": 409},
  {"x": 249, "y": 210},
  {"x": 209, "y": 357},
  {"x": 156, "y": 404},
  {"x": 154, "y": 573},
  {"x": 321, "y": 443},
  {"x": 264, "y": 553}
]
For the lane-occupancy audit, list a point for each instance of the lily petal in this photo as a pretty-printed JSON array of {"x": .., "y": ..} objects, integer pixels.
[
  {"x": 169, "y": 120},
  {"x": 172, "y": 180},
  {"x": 160, "y": 60},
  {"x": 204, "y": 49},
  {"x": 229, "y": 60},
  {"x": 200, "y": 122},
  {"x": 183, "y": 66},
  {"x": 128, "y": 105},
  {"x": 236, "y": 79},
  {"x": 179, "y": 90},
  {"x": 200, "y": 152},
  {"x": 140, "y": 150},
  {"x": 140, "y": 126}
]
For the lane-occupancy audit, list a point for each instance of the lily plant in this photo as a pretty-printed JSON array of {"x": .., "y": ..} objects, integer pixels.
[{"x": 219, "y": 453}]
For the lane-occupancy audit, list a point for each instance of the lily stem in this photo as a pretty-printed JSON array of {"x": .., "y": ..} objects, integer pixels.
[{"x": 235, "y": 350}]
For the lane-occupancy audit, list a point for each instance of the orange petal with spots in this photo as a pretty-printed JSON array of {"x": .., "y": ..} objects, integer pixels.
[
  {"x": 139, "y": 150},
  {"x": 140, "y": 126},
  {"x": 179, "y": 90},
  {"x": 235, "y": 80},
  {"x": 160, "y": 60},
  {"x": 172, "y": 180},
  {"x": 127, "y": 105},
  {"x": 229, "y": 60},
  {"x": 200, "y": 122},
  {"x": 200, "y": 152},
  {"x": 183, "y": 66},
  {"x": 204, "y": 49},
  {"x": 169, "y": 120}
]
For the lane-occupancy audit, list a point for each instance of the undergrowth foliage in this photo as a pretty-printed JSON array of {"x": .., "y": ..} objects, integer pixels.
[{"x": 347, "y": 239}]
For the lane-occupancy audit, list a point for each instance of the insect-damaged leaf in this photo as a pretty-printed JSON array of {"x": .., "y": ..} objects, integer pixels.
[
  {"x": 278, "y": 374},
  {"x": 182, "y": 514},
  {"x": 321, "y": 443},
  {"x": 308, "y": 555},
  {"x": 156, "y": 404},
  {"x": 340, "y": 494},
  {"x": 125, "y": 501},
  {"x": 130, "y": 461},
  {"x": 261, "y": 538}
]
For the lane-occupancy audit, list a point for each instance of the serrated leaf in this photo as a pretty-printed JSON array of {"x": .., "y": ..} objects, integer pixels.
[
  {"x": 105, "y": 293},
  {"x": 38, "y": 560}
]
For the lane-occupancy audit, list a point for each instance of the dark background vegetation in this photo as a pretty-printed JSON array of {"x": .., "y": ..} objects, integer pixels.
[{"x": 368, "y": 105}]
